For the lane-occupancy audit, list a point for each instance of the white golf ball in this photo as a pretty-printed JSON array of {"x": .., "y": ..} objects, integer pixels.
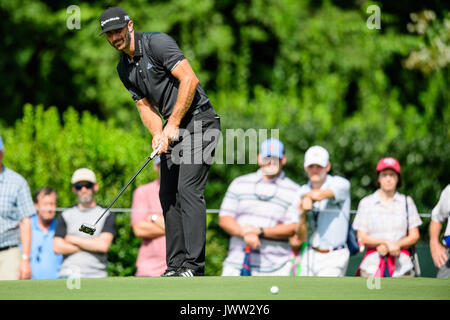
[{"x": 274, "y": 289}]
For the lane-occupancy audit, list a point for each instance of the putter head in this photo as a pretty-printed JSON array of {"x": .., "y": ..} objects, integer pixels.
[{"x": 87, "y": 228}]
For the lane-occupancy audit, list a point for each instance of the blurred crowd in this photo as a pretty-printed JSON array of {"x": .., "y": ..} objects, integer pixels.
[{"x": 276, "y": 226}]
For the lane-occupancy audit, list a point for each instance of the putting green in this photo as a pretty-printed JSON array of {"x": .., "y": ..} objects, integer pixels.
[{"x": 227, "y": 288}]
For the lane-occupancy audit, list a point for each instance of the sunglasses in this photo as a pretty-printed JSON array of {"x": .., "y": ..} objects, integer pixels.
[{"x": 79, "y": 186}]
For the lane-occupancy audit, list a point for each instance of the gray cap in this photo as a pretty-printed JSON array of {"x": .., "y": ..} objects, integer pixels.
[{"x": 83, "y": 174}]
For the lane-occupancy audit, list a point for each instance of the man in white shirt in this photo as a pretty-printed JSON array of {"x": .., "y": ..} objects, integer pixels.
[{"x": 325, "y": 202}]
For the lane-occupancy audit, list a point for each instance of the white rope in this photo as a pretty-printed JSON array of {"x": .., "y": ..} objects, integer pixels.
[{"x": 216, "y": 211}]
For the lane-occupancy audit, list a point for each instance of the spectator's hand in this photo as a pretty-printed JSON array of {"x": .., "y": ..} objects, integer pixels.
[
  {"x": 438, "y": 254},
  {"x": 24, "y": 270},
  {"x": 314, "y": 195},
  {"x": 306, "y": 204},
  {"x": 252, "y": 240},
  {"x": 245, "y": 230},
  {"x": 394, "y": 248},
  {"x": 382, "y": 249}
]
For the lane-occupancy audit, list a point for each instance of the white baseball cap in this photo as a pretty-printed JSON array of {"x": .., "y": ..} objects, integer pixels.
[
  {"x": 83, "y": 174},
  {"x": 316, "y": 155}
]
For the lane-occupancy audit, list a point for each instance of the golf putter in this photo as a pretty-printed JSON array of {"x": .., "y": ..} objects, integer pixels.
[{"x": 90, "y": 228}]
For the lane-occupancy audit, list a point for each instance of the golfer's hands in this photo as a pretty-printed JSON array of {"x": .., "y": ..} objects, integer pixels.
[
  {"x": 24, "y": 270},
  {"x": 172, "y": 132},
  {"x": 394, "y": 248},
  {"x": 438, "y": 254},
  {"x": 162, "y": 140}
]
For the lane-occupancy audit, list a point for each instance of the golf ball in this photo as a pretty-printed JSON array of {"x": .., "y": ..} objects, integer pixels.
[{"x": 274, "y": 289}]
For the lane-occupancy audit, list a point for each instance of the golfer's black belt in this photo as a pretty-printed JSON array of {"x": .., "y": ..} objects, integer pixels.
[{"x": 201, "y": 109}]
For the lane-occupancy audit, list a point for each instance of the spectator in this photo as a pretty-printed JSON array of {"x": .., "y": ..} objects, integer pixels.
[
  {"x": 44, "y": 262},
  {"x": 439, "y": 253},
  {"x": 325, "y": 202},
  {"x": 147, "y": 222},
  {"x": 259, "y": 211},
  {"x": 85, "y": 256},
  {"x": 16, "y": 207},
  {"x": 387, "y": 223}
]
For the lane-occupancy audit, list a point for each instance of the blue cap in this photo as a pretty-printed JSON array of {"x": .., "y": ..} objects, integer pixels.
[
  {"x": 272, "y": 148},
  {"x": 1, "y": 144},
  {"x": 156, "y": 160}
]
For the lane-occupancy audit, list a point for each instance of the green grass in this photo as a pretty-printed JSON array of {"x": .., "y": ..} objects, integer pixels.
[{"x": 227, "y": 288}]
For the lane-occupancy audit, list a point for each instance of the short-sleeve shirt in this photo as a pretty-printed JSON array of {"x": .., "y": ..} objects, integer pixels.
[
  {"x": 44, "y": 262},
  {"x": 441, "y": 211},
  {"x": 15, "y": 204},
  {"x": 149, "y": 75},
  {"x": 151, "y": 260},
  {"x": 329, "y": 227},
  {"x": 252, "y": 200},
  {"x": 88, "y": 264},
  {"x": 386, "y": 220}
]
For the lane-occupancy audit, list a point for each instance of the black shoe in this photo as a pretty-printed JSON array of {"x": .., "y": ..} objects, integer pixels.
[
  {"x": 170, "y": 272},
  {"x": 188, "y": 272}
]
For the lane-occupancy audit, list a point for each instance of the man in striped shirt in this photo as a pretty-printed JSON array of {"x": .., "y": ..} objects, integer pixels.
[
  {"x": 259, "y": 212},
  {"x": 16, "y": 207}
]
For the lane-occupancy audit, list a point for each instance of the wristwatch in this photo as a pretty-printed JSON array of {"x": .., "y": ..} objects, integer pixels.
[
  {"x": 25, "y": 257},
  {"x": 261, "y": 232},
  {"x": 154, "y": 217}
]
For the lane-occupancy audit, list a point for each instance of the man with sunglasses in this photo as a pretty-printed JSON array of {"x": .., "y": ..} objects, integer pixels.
[
  {"x": 260, "y": 214},
  {"x": 85, "y": 256},
  {"x": 44, "y": 262}
]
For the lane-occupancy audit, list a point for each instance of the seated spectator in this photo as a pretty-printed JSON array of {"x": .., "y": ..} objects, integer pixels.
[
  {"x": 259, "y": 211},
  {"x": 44, "y": 262},
  {"x": 441, "y": 252},
  {"x": 147, "y": 222},
  {"x": 85, "y": 256},
  {"x": 387, "y": 223},
  {"x": 324, "y": 208}
]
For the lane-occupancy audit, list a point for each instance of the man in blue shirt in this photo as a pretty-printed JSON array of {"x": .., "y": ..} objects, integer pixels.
[
  {"x": 325, "y": 200},
  {"x": 45, "y": 263},
  {"x": 16, "y": 207}
]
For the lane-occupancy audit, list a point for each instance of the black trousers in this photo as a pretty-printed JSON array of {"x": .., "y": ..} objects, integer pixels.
[{"x": 184, "y": 171}]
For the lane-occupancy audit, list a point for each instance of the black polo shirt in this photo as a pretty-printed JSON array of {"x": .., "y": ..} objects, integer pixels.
[{"x": 148, "y": 74}]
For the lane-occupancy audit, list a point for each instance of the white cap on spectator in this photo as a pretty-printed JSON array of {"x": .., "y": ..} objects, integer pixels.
[
  {"x": 316, "y": 155},
  {"x": 83, "y": 174}
]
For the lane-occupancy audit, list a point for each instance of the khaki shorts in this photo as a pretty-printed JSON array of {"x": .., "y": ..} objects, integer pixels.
[{"x": 9, "y": 263}]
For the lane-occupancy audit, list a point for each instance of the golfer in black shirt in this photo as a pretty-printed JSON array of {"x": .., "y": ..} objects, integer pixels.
[{"x": 162, "y": 83}]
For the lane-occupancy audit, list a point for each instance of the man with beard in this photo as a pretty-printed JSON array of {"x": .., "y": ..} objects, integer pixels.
[
  {"x": 260, "y": 214},
  {"x": 85, "y": 256},
  {"x": 44, "y": 262},
  {"x": 163, "y": 85}
]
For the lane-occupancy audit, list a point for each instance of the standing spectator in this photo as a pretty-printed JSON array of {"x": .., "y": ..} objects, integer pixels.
[
  {"x": 387, "y": 223},
  {"x": 147, "y": 222},
  {"x": 260, "y": 211},
  {"x": 16, "y": 207},
  {"x": 85, "y": 256},
  {"x": 325, "y": 202},
  {"x": 45, "y": 263},
  {"x": 439, "y": 253}
]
